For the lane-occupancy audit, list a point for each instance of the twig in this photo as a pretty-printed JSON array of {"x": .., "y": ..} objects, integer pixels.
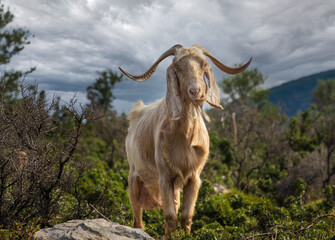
[
  {"x": 100, "y": 213},
  {"x": 259, "y": 235},
  {"x": 313, "y": 221},
  {"x": 296, "y": 231}
]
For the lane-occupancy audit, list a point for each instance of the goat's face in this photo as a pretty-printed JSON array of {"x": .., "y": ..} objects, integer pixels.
[
  {"x": 186, "y": 81},
  {"x": 190, "y": 71}
]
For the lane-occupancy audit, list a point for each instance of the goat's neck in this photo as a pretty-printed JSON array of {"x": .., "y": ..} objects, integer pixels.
[{"x": 187, "y": 124}]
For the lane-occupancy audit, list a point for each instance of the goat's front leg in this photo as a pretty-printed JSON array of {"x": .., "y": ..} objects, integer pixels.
[
  {"x": 190, "y": 191},
  {"x": 166, "y": 188}
]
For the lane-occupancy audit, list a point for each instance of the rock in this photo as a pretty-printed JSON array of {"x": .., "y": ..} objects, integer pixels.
[
  {"x": 218, "y": 188},
  {"x": 97, "y": 229}
]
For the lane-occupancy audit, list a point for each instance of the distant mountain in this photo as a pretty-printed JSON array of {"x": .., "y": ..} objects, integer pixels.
[{"x": 297, "y": 94}]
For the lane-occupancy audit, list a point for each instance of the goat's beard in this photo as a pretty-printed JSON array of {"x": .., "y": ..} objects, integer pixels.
[{"x": 199, "y": 102}]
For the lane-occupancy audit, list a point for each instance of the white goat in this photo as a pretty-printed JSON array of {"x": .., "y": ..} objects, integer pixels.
[{"x": 167, "y": 143}]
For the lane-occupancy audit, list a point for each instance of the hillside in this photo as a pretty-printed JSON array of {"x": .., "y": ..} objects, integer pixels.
[{"x": 297, "y": 94}]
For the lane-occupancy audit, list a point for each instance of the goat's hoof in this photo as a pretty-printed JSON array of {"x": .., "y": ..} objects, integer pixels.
[
  {"x": 186, "y": 224},
  {"x": 170, "y": 225},
  {"x": 138, "y": 224}
]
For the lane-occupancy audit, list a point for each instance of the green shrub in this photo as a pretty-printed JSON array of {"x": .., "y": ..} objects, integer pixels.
[
  {"x": 19, "y": 230},
  {"x": 329, "y": 200}
]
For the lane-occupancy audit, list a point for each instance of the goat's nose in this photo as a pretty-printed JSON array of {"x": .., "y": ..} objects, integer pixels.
[{"x": 195, "y": 90}]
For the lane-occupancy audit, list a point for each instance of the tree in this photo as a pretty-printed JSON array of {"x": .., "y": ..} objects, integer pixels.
[
  {"x": 324, "y": 98},
  {"x": 324, "y": 94},
  {"x": 100, "y": 92},
  {"x": 251, "y": 125},
  {"x": 311, "y": 134},
  {"x": 110, "y": 127},
  {"x": 12, "y": 42},
  {"x": 245, "y": 86},
  {"x": 256, "y": 144},
  {"x": 302, "y": 133},
  {"x": 325, "y": 131}
]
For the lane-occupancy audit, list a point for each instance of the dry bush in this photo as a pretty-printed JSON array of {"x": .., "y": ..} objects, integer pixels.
[
  {"x": 34, "y": 154},
  {"x": 311, "y": 169}
]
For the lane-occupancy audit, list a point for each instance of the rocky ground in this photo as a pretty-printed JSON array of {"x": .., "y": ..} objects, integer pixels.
[{"x": 97, "y": 229}]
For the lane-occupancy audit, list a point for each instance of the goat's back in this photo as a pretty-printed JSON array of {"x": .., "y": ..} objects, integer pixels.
[{"x": 136, "y": 111}]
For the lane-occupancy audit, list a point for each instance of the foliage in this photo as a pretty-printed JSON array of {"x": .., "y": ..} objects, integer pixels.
[
  {"x": 302, "y": 138},
  {"x": 236, "y": 215},
  {"x": 20, "y": 230},
  {"x": 255, "y": 146},
  {"x": 100, "y": 92},
  {"x": 244, "y": 86},
  {"x": 324, "y": 93},
  {"x": 12, "y": 42},
  {"x": 219, "y": 161},
  {"x": 98, "y": 190},
  {"x": 329, "y": 200}
]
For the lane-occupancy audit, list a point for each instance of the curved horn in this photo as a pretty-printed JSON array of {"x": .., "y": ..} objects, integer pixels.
[
  {"x": 220, "y": 65},
  {"x": 152, "y": 69}
]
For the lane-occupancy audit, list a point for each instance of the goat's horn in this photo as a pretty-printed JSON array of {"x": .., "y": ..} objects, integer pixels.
[
  {"x": 220, "y": 65},
  {"x": 152, "y": 69}
]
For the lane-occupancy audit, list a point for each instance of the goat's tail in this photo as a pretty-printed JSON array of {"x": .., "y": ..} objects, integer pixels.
[{"x": 136, "y": 111}]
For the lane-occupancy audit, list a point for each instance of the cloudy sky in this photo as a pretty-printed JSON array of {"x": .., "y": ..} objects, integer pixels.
[{"x": 73, "y": 39}]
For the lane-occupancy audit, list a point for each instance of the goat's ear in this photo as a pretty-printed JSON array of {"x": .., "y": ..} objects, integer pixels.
[
  {"x": 173, "y": 94},
  {"x": 213, "y": 91}
]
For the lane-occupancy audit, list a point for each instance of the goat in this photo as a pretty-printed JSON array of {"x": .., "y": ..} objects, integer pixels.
[{"x": 167, "y": 143}]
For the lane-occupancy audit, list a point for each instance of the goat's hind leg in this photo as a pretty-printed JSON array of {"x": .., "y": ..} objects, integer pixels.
[{"x": 134, "y": 195}]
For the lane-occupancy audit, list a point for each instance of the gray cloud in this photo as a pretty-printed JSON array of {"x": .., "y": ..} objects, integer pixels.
[{"x": 75, "y": 38}]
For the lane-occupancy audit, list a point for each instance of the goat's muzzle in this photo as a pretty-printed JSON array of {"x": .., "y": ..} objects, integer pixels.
[
  {"x": 196, "y": 95},
  {"x": 195, "y": 91}
]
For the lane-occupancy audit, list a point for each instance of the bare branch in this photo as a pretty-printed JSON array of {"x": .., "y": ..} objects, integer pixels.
[{"x": 275, "y": 233}]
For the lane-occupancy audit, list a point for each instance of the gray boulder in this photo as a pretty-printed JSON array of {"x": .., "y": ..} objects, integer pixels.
[{"x": 97, "y": 229}]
